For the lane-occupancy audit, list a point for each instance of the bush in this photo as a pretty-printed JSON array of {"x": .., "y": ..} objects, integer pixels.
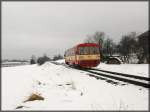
[
  {"x": 42, "y": 60},
  {"x": 57, "y": 57},
  {"x": 34, "y": 96},
  {"x": 32, "y": 61},
  {"x": 104, "y": 58},
  {"x": 113, "y": 60}
]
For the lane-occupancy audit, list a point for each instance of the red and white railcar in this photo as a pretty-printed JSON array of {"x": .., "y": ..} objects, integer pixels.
[{"x": 84, "y": 55}]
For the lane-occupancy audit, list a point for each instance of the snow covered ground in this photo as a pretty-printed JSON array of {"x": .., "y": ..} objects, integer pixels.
[
  {"x": 65, "y": 88},
  {"x": 134, "y": 69}
]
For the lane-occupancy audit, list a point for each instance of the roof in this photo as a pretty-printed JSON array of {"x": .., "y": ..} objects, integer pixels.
[
  {"x": 88, "y": 44},
  {"x": 145, "y": 34}
]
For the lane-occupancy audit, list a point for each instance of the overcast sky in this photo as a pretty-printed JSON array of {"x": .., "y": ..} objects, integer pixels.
[{"x": 52, "y": 27}]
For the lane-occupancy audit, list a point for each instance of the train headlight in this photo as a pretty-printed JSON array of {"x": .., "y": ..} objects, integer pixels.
[{"x": 97, "y": 56}]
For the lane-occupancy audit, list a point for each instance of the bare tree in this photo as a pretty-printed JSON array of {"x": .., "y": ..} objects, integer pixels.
[
  {"x": 97, "y": 37},
  {"x": 127, "y": 45},
  {"x": 143, "y": 47},
  {"x": 109, "y": 47},
  {"x": 89, "y": 39}
]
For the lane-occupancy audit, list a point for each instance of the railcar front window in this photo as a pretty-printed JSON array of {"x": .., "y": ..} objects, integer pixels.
[
  {"x": 81, "y": 50},
  {"x": 88, "y": 50}
]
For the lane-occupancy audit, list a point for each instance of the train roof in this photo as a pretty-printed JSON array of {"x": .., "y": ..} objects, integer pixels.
[
  {"x": 88, "y": 44},
  {"x": 84, "y": 44}
]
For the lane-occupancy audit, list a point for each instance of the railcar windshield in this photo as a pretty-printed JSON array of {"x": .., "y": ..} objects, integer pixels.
[{"x": 88, "y": 50}]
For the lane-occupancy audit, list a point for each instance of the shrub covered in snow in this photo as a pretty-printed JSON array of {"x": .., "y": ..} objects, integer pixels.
[{"x": 114, "y": 60}]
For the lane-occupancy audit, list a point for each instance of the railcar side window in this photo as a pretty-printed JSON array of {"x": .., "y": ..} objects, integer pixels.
[
  {"x": 81, "y": 50},
  {"x": 86, "y": 50}
]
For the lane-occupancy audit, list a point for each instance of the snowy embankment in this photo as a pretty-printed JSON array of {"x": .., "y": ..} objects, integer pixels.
[
  {"x": 133, "y": 69},
  {"x": 66, "y": 89}
]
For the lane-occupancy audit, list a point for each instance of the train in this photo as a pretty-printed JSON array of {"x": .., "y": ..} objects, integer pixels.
[{"x": 84, "y": 55}]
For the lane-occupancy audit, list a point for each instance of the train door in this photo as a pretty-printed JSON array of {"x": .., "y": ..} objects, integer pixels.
[{"x": 76, "y": 54}]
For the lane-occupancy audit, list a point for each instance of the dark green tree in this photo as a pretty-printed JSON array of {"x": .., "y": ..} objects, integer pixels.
[
  {"x": 127, "y": 46},
  {"x": 42, "y": 60},
  {"x": 33, "y": 59}
]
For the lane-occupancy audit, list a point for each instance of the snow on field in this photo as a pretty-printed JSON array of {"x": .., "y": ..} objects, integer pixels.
[
  {"x": 134, "y": 69},
  {"x": 65, "y": 88}
]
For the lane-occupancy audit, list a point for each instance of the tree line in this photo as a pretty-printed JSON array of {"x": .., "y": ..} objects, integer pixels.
[
  {"x": 129, "y": 46},
  {"x": 41, "y": 60}
]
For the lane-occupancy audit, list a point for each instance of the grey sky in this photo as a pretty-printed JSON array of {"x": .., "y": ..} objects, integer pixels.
[{"x": 51, "y": 27}]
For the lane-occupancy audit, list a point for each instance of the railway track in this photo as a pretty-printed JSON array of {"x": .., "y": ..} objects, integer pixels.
[
  {"x": 108, "y": 75},
  {"x": 132, "y": 79},
  {"x": 123, "y": 74}
]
